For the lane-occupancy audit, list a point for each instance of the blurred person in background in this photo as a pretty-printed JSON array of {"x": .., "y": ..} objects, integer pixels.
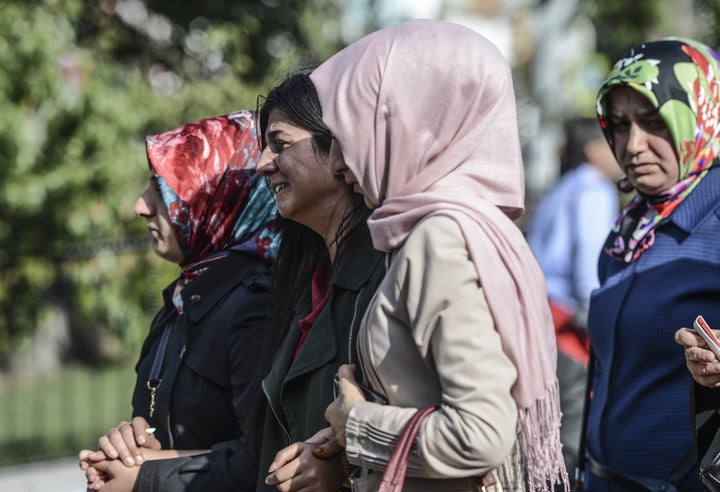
[
  {"x": 660, "y": 111},
  {"x": 566, "y": 233},
  {"x": 208, "y": 210}
]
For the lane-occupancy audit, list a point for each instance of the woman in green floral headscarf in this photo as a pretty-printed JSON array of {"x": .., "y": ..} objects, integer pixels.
[
  {"x": 682, "y": 85},
  {"x": 659, "y": 109}
]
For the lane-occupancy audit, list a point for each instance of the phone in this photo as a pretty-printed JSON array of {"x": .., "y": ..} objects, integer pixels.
[{"x": 708, "y": 335}]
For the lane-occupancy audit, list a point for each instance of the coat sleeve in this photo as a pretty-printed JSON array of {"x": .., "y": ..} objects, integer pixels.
[
  {"x": 453, "y": 331},
  {"x": 224, "y": 469}
]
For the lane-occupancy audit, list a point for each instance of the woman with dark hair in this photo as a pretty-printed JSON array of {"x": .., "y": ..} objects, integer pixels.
[{"x": 327, "y": 272}]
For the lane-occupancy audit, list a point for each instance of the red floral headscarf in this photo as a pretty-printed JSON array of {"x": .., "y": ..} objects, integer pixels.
[{"x": 215, "y": 198}]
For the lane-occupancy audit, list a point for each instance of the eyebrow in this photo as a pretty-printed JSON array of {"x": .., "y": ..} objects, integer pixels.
[
  {"x": 272, "y": 135},
  {"x": 644, "y": 111}
]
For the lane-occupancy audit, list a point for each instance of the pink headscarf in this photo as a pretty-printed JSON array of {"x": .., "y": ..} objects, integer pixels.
[{"x": 424, "y": 113}]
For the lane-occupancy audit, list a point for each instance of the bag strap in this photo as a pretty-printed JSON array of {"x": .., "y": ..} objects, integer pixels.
[
  {"x": 394, "y": 476},
  {"x": 582, "y": 448}
]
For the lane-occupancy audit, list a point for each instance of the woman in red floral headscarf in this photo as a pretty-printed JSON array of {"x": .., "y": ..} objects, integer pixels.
[{"x": 208, "y": 210}]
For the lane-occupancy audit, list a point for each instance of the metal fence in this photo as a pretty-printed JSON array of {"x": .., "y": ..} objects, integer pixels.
[
  {"x": 60, "y": 414},
  {"x": 50, "y": 413}
]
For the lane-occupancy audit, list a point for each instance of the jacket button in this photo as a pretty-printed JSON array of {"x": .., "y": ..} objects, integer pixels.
[{"x": 195, "y": 300}]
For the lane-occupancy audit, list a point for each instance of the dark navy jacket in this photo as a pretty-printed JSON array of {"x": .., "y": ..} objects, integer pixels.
[
  {"x": 640, "y": 422},
  {"x": 207, "y": 370}
]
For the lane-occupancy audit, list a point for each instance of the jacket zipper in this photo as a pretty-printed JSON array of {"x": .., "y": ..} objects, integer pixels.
[
  {"x": 352, "y": 325},
  {"x": 275, "y": 414}
]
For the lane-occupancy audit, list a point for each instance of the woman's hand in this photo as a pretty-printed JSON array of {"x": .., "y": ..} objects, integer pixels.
[
  {"x": 326, "y": 446},
  {"x": 98, "y": 472},
  {"x": 348, "y": 395},
  {"x": 118, "y": 477},
  {"x": 95, "y": 478},
  {"x": 125, "y": 442},
  {"x": 700, "y": 361},
  {"x": 295, "y": 468}
]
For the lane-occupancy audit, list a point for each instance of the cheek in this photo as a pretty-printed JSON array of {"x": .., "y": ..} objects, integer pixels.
[
  {"x": 619, "y": 151},
  {"x": 666, "y": 152}
]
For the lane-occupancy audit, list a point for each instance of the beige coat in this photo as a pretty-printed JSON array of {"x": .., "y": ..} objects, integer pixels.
[{"x": 428, "y": 338}]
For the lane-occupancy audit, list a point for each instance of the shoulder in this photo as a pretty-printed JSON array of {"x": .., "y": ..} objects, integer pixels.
[
  {"x": 359, "y": 263},
  {"x": 704, "y": 201},
  {"x": 435, "y": 250},
  {"x": 434, "y": 234},
  {"x": 236, "y": 287}
]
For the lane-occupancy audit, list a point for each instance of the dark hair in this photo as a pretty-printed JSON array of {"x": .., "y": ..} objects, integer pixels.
[
  {"x": 297, "y": 99},
  {"x": 301, "y": 250},
  {"x": 578, "y": 132}
]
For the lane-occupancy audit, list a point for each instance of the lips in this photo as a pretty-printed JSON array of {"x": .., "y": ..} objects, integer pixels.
[{"x": 641, "y": 168}]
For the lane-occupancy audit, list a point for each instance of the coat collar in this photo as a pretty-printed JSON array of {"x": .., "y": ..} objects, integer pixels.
[
  {"x": 355, "y": 268},
  {"x": 698, "y": 203},
  {"x": 202, "y": 294},
  {"x": 353, "y": 275}
]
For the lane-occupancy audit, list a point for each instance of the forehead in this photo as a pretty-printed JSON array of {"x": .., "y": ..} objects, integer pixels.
[
  {"x": 280, "y": 124},
  {"x": 625, "y": 100}
]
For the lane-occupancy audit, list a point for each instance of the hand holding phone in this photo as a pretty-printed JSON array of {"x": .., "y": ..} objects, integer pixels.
[{"x": 704, "y": 330}]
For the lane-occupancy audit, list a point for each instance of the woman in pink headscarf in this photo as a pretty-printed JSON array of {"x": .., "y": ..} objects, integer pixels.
[{"x": 423, "y": 116}]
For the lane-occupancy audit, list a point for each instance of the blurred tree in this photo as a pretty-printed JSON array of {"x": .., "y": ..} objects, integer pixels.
[
  {"x": 621, "y": 24},
  {"x": 82, "y": 82},
  {"x": 708, "y": 15}
]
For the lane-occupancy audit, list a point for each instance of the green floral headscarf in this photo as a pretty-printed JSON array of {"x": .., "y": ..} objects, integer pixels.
[{"x": 680, "y": 77}]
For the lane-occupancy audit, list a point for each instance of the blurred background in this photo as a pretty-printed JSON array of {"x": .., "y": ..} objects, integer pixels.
[{"x": 83, "y": 81}]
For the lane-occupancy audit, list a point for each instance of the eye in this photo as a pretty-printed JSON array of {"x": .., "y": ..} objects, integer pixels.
[
  {"x": 653, "y": 124},
  {"x": 279, "y": 145},
  {"x": 619, "y": 124}
]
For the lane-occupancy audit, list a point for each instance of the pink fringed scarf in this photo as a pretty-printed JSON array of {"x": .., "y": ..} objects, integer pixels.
[{"x": 424, "y": 113}]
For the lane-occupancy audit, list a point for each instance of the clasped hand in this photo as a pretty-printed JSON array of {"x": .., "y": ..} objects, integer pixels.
[
  {"x": 315, "y": 463},
  {"x": 114, "y": 466}
]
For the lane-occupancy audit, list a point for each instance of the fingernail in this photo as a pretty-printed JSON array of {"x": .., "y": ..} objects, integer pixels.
[
  {"x": 139, "y": 459},
  {"x": 141, "y": 439},
  {"x": 129, "y": 461}
]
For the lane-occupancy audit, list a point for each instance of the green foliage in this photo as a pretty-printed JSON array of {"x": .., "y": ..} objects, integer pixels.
[
  {"x": 82, "y": 83},
  {"x": 622, "y": 24},
  {"x": 708, "y": 16}
]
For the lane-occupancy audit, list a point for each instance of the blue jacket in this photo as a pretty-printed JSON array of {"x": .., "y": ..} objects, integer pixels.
[{"x": 640, "y": 422}]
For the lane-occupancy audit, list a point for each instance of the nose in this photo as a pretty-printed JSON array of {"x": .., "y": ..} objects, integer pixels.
[
  {"x": 335, "y": 156},
  {"x": 143, "y": 205},
  {"x": 266, "y": 164},
  {"x": 637, "y": 139}
]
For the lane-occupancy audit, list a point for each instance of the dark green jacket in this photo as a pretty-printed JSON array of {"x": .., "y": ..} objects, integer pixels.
[{"x": 298, "y": 392}]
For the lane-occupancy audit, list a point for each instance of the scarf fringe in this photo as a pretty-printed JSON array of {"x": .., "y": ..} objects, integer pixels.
[{"x": 541, "y": 451}]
